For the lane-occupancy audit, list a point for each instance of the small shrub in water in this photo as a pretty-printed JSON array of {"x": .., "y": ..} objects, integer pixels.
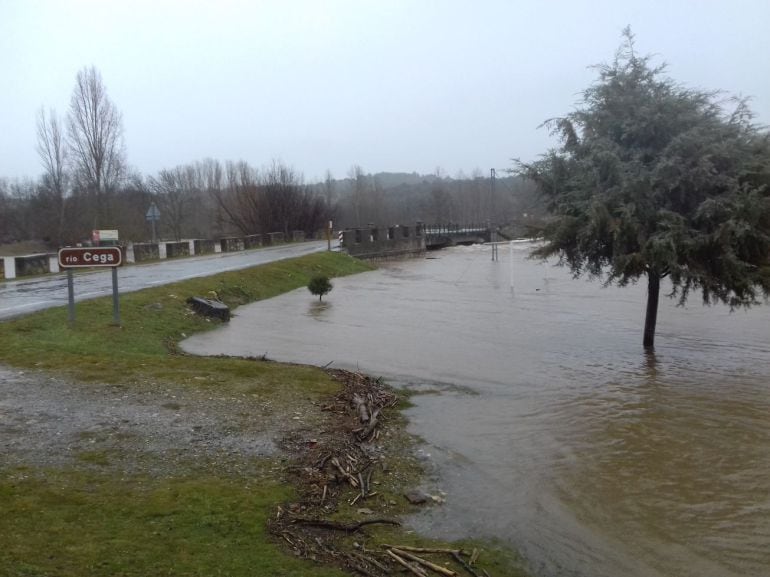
[{"x": 319, "y": 285}]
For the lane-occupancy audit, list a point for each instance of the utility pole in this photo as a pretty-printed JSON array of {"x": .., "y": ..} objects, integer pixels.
[
  {"x": 492, "y": 176},
  {"x": 492, "y": 235}
]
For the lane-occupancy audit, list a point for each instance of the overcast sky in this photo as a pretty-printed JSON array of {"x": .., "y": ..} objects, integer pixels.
[{"x": 391, "y": 85}]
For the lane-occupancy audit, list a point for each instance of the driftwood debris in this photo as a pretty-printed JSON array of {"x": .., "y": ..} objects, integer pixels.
[
  {"x": 425, "y": 563},
  {"x": 425, "y": 549},
  {"x": 361, "y": 408},
  {"x": 337, "y": 471},
  {"x": 347, "y": 527},
  {"x": 457, "y": 557},
  {"x": 406, "y": 553},
  {"x": 403, "y": 562}
]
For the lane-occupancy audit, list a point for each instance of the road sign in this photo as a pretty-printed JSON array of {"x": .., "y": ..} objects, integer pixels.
[
  {"x": 153, "y": 214},
  {"x": 104, "y": 235},
  {"x": 104, "y": 256}
]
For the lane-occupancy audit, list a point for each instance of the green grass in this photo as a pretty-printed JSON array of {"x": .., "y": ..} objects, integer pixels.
[
  {"x": 75, "y": 524},
  {"x": 93, "y": 519},
  {"x": 153, "y": 322}
]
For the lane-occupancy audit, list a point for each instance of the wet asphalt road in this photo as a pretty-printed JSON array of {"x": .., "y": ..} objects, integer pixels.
[{"x": 22, "y": 296}]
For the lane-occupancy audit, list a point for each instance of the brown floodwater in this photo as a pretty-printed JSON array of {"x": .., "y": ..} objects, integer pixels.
[{"x": 547, "y": 426}]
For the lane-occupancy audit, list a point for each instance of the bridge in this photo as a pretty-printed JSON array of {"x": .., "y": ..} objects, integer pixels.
[
  {"x": 444, "y": 235},
  {"x": 404, "y": 241}
]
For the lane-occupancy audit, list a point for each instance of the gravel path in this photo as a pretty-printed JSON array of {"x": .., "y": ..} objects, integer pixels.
[{"x": 49, "y": 421}]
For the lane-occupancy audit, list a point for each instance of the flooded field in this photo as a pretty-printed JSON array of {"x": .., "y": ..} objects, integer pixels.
[{"x": 549, "y": 427}]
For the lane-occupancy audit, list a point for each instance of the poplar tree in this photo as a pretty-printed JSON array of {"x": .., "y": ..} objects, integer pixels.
[
  {"x": 95, "y": 138},
  {"x": 656, "y": 180}
]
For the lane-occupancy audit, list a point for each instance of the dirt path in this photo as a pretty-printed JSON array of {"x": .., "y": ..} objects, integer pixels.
[{"x": 49, "y": 421}]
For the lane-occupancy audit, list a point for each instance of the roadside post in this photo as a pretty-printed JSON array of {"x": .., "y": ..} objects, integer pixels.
[
  {"x": 153, "y": 216},
  {"x": 91, "y": 257},
  {"x": 329, "y": 231}
]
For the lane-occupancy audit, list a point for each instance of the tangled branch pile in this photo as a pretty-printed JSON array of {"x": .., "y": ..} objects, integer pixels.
[{"x": 336, "y": 469}]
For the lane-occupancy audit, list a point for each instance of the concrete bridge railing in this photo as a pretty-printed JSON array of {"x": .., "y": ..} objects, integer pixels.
[
  {"x": 12, "y": 267},
  {"x": 391, "y": 242}
]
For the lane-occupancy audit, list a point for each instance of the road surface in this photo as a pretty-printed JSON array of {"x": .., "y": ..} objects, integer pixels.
[{"x": 22, "y": 296}]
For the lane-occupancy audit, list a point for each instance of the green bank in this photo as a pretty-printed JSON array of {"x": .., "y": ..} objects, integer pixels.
[{"x": 122, "y": 511}]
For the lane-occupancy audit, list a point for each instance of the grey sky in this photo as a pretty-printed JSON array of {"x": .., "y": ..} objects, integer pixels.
[{"x": 391, "y": 85}]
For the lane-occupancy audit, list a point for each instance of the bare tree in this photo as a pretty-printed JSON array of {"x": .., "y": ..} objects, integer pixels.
[
  {"x": 95, "y": 138},
  {"x": 176, "y": 191},
  {"x": 53, "y": 155},
  {"x": 275, "y": 199}
]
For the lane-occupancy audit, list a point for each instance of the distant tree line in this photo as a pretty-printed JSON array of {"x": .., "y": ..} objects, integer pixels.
[
  {"x": 86, "y": 183},
  {"x": 390, "y": 198}
]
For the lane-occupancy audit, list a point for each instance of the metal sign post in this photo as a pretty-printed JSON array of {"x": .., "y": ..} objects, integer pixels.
[
  {"x": 91, "y": 257},
  {"x": 153, "y": 216},
  {"x": 70, "y": 297},
  {"x": 115, "y": 297}
]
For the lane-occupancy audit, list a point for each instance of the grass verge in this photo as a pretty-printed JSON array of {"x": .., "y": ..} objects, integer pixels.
[{"x": 94, "y": 517}]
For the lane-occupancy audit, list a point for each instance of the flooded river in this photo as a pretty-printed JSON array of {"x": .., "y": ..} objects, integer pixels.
[{"x": 548, "y": 425}]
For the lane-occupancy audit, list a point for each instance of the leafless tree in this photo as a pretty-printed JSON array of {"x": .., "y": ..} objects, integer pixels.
[
  {"x": 53, "y": 155},
  {"x": 95, "y": 139},
  {"x": 176, "y": 190},
  {"x": 274, "y": 199}
]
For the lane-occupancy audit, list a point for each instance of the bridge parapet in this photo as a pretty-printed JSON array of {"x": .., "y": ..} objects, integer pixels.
[
  {"x": 391, "y": 242},
  {"x": 442, "y": 235}
]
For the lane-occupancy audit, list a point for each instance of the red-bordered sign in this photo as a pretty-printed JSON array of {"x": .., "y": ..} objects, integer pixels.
[{"x": 87, "y": 257}]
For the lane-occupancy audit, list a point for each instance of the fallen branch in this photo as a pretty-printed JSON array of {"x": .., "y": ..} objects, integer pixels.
[
  {"x": 426, "y": 563},
  {"x": 416, "y": 570},
  {"x": 348, "y": 527},
  {"x": 424, "y": 549},
  {"x": 364, "y": 433},
  {"x": 464, "y": 565},
  {"x": 372, "y": 561},
  {"x": 351, "y": 479},
  {"x": 361, "y": 408}
]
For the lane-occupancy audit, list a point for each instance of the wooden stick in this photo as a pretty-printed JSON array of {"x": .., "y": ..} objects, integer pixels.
[
  {"x": 373, "y": 561},
  {"x": 369, "y": 428},
  {"x": 422, "y": 549},
  {"x": 364, "y": 490},
  {"x": 416, "y": 570},
  {"x": 465, "y": 566},
  {"x": 351, "y": 479},
  {"x": 361, "y": 408},
  {"x": 349, "y": 527},
  {"x": 426, "y": 563}
]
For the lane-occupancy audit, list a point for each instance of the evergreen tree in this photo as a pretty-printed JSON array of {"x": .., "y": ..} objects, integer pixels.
[{"x": 654, "y": 179}]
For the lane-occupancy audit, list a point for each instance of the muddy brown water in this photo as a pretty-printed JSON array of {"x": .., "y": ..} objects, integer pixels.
[{"x": 548, "y": 426}]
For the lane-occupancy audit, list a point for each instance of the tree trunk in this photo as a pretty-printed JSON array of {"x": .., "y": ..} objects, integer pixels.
[{"x": 651, "y": 318}]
